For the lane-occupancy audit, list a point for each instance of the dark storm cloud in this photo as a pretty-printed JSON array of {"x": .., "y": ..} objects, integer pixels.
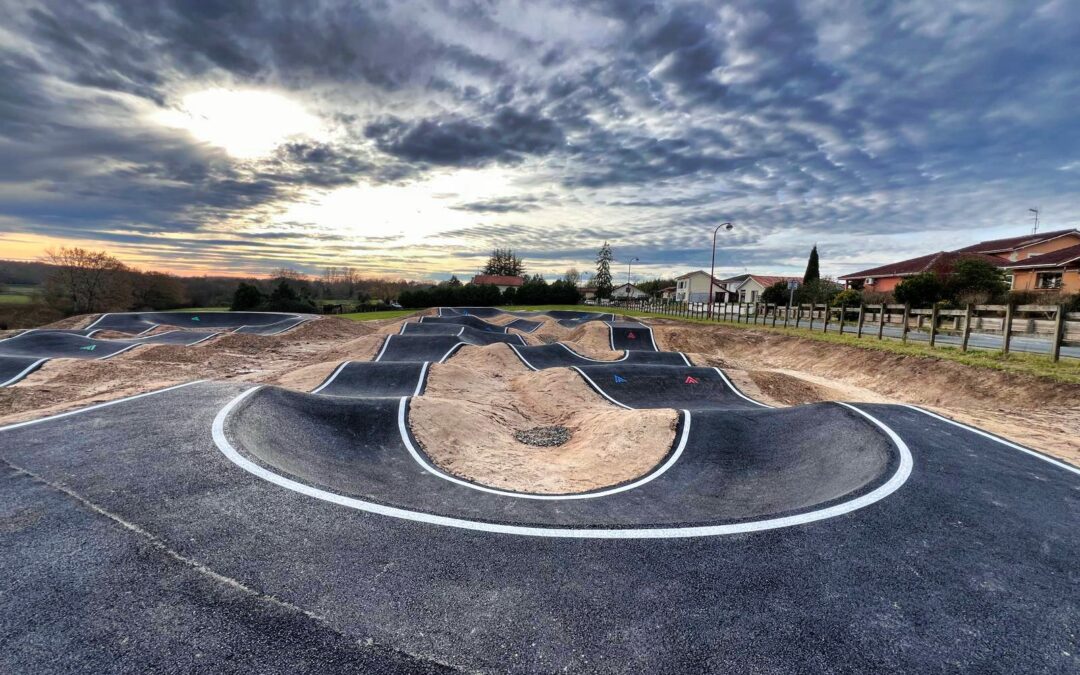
[
  {"x": 802, "y": 121},
  {"x": 508, "y": 137}
]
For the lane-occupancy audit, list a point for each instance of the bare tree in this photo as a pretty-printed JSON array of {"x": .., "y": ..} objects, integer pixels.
[
  {"x": 573, "y": 276},
  {"x": 87, "y": 281}
]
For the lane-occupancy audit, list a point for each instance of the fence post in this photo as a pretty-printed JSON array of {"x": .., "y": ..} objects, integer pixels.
[
  {"x": 967, "y": 327},
  {"x": 775, "y": 311},
  {"x": 907, "y": 315},
  {"x": 828, "y": 315},
  {"x": 933, "y": 325},
  {"x": 787, "y": 311},
  {"x": 843, "y": 317},
  {"x": 862, "y": 319},
  {"x": 798, "y": 314},
  {"x": 1006, "y": 336},
  {"x": 881, "y": 322},
  {"x": 1059, "y": 333}
]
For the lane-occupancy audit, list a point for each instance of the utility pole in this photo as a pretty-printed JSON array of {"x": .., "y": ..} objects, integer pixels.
[
  {"x": 712, "y": 266},
  {"x": 1036, "y": 212},
  {"x": 629, "y": 262}
]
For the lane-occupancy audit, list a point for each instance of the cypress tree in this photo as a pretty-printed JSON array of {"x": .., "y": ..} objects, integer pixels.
[
  {"x": 602, "y": 280},
  {"x": 812, "y": 272}
]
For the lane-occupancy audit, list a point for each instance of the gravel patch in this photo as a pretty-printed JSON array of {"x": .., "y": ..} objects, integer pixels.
[{"x": 543, "y": 437}]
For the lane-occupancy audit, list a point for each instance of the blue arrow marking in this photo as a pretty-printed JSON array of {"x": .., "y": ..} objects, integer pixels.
[
  {"x": 619, "y": 380},
  {"x": 89, "y": 348},
  {"x": 195, "y": 318}
]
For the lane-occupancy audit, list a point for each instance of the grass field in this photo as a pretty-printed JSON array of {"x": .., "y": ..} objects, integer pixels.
[
  {"x": 374, "y": 316},
  {"x": 15, "y": 299}
]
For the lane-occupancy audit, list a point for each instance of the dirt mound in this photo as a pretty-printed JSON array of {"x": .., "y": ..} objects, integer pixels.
[
  {"x": 592, "y": 340},
  {"x": 476, "y": 402},
  {"x": 1039, "y": 413}
]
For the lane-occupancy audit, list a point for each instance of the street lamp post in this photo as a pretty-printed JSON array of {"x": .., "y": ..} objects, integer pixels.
[
  {"x": 628, "y": 264},
  {"x": 712, "y": 265}
]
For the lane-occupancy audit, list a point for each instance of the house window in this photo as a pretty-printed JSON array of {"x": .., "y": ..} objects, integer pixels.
[
  {"x": 1011, "y": 280},
  {"x": 1048, "y": 280},
  {"x": 742, "y": 295},
  {"x": 682, "y": 285},
  {"x": 753, "y": 296}
]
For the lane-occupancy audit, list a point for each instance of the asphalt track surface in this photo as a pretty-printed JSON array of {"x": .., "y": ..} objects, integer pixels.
[
  {"x": 899, "y": 541},
  {"x": 25, "y": 352},
  {"x": 256, "y": 323},
  {"x": 465, "y": 333}
]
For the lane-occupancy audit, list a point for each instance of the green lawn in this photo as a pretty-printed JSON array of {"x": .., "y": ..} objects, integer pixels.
[
  {"x": 373, "y": 316},
  {"x": 15, "y": 299}
]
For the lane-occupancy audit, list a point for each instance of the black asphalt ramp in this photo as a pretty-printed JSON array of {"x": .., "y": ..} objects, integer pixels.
[
  {"x": 660, "y": 386},
  {"x": 418, "y": 348},
  {"x": 49, "y": 344},
  {"x": 137, "y": 322},
  {"x": 466, "y": 334},
  {"x": 471, "y": 321},
  {"x": 15, "y": 368},
  {"x": 524, "y": 325},
  {"x": 375, "y": 379},
  {"x": 732, "y": 468},
  {"x": 558, "y": 355},
  {"x": 631, "y": 336}
]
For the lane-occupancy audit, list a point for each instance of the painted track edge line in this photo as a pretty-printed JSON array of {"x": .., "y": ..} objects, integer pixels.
[
  {"x": 884, "y": 490},
  {"x": 333, "y": 376},
  {"x": 598, "y": 390},
  {"x": 96, "y": 406},
  {"x": 1004, "y": 441},
  {"x": 26, "y": 371}
]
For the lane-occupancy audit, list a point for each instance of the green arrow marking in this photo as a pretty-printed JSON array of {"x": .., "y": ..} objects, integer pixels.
[
  {"x": 195, "y": 318},
  {"x": 89, "y": 348}
]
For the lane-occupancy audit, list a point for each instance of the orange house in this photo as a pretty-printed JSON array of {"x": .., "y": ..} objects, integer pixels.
[{"x": 1047, "y": 261}]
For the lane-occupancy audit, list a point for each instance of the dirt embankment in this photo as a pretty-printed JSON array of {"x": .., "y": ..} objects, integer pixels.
[
  {"x": 63, "y": 384},
  {"x": 788, "y": 370},
  {"x": 473, "y": 405}
]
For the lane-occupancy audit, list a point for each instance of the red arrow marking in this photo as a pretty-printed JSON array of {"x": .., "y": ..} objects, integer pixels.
[
  {"x": 691, "y": 380},
  {"x": 631, "y": 336}
]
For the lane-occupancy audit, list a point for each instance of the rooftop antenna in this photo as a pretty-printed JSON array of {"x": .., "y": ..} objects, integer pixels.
[{"x": 1036, "y": 212}]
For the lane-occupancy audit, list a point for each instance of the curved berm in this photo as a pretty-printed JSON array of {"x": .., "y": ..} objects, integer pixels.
[
  {"x": 631, "y": 336},
  {"x": 471, "y": 321},
  {"x": 524, "y": 325},
  {"x": 657, "y": 386},
  {"x": 724, "y": 468},
  {"x": 375, "y": 379},
  {"x": 466, "y": 334},
  {"x": 558, "y": 355},
  {"x": 50, "y": 344},
  {"x": 265, "y": 323},
  {"x": 15, "y": 368},
  {"x": 419, "y": 348},
  {"x": 482, "y": 312}
]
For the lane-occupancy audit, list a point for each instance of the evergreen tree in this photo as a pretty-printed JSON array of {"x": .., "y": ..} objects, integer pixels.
[
  {"x": 504, "y": 262},
  {"x": 812, "y": 271},
  {"x": 602, "y": 280}
]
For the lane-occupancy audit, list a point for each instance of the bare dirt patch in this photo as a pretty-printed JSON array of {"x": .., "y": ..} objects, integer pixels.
[
  {"x": 474, "y": 404},
  {"x": 1033, "y": 411},
  {"x": 63, "y": 384}
]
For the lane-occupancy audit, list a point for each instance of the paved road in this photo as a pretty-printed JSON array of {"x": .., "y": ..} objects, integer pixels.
[{"x": 130, "y": 541}]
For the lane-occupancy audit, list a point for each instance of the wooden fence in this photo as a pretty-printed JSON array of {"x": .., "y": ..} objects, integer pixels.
[{"x": 1046, "y": 323}]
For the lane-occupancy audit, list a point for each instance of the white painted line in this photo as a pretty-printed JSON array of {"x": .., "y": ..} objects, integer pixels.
[
  {"x": 99, "y": 405},
  {"x": 893, "y": 484},
  {"x": 611, "y": 336},
  {"x": 686, "y": 360},
  {"x": 522, "y": 338},
  {"x": 152, "y": 327},
  {"x": 211, "y": 335},
  {"x": 461, "y": 331},
  {"x": 652, "y": 339},
  {"x": 99, "y": 320},
  {"x": 91, "y": 333},
  {"x": 290, "y": 327},
  {"x": 125, "y": 349},
  {"x": 735, "y": 389},
  {"x": 26, "y": 371},
  {"x": 626, "y": 355},
  {"x": 523, "y": 359},
  {"x": 385, "y": 344},
  {"x": 403, "y": 324},
  {"x": 420, "y": 382},
  {"x": 598, "y": 389},
  {"x": 451, "y": 352},
  {"x": 330, "y": 379},
  {"x": 672, "y": 458},
  {"x": 985, "y": 434}
]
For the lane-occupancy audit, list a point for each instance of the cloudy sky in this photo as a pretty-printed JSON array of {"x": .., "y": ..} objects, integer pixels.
[{"x": 408, "y": 138}]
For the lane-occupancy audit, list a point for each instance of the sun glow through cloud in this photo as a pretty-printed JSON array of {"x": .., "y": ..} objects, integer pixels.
[{"x": 246, "y": 124}]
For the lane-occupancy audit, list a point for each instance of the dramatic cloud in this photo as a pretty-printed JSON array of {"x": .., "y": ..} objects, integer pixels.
[{"x": 409, "y": 138}]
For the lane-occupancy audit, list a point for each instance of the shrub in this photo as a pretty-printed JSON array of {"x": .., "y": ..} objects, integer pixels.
[
  {"x": 848, "y": 298},
  {"x": 247, "y": 297},
  {"x": 920, "y": 290},
  {"x": 777, "y": 294}
]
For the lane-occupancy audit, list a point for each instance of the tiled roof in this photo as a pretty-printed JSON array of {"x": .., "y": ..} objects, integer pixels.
[
  {"x": 922, "y": 264},
  {"x": 1013, "y": 243},
  {"x": 690, "y": 274},
  {"x": 769, "y": 280},
  {"x": 1056, "y": 258},
  {"x": 496, "y": 280}
]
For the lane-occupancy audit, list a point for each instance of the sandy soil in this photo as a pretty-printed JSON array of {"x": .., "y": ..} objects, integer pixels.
[
  {"x": 473, "y": 404},
  {"x": 785, "y": 370},
  {"x": 63, "y": 384}
]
